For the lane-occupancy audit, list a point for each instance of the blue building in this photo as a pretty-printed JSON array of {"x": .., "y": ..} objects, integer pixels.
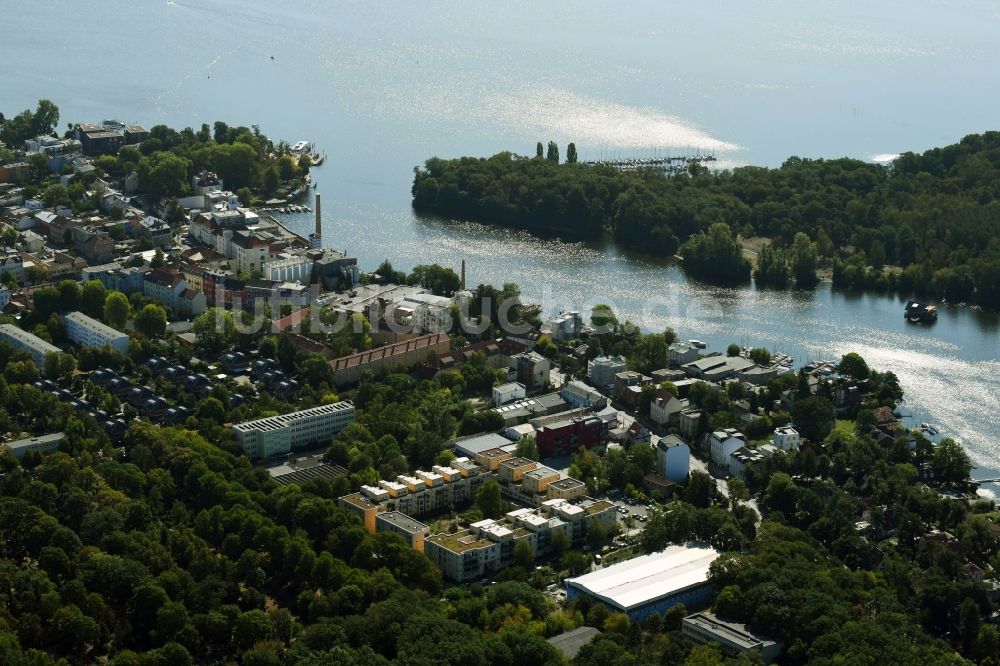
[{"x": 652, "y": 583}]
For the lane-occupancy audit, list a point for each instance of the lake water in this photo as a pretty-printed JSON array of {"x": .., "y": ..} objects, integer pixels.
[{"x": 382, "y": 86}]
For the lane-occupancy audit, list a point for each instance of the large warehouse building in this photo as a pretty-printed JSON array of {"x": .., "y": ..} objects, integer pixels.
[{"x": 651, "y": 583}]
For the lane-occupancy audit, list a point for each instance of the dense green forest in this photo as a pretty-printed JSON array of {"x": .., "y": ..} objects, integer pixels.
[
  {"x": 171, "y": 548},
  {"x": 926, "y": 223},
  {"x": 174, "y": 550}
]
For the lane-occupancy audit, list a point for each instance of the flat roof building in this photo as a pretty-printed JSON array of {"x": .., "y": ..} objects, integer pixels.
[
  {"x": 301, "y": 470},
  {"x": 272, "y": 436},
  {"x": 509, "y": 392},
  {"x": 32, "y": 344},
  {"x": 43, "y": 444},
  {"x": 410, "y": 529},
  {"x": 522, "y": 411},
  {"x": 651, "y": 583},
  {"x": 513, "y": 470},
  {"x": 473, "y": 446},
  {"x": 88, "y": 332},
  {"x": 488, "y": 545},
  {"x": 570, "y": 642},
  {"x": 602, "y": 370},
  {"x": 492, "y": 458},
  {"x": 538, "y": 479},
  {"x": 717, "y": 368},
  {"x": 567, "y": 489},
  {"x": 734, "y": 638},
  {"x": 362, "y": 507}
]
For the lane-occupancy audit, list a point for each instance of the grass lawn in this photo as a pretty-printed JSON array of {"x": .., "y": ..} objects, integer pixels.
[
  {"x": 620, "y": 555},
  {"x": 845, "y": 425}
]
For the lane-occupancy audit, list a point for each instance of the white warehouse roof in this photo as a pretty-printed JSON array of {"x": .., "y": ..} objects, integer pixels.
[{"x": 644, "y": 579}]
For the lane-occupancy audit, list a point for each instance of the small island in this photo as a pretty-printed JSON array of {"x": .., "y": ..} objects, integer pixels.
[{"x": 926, "y": 223}]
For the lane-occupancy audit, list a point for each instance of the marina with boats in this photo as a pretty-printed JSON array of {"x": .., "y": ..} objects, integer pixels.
[
  {"x": 920, "y": 313},
  {"x": 669, "y": 164},
  {"x": 284, "y": 206}
]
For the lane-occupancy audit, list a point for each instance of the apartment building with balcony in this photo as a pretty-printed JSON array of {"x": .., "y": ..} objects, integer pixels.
[{"x": 273, "y": 436}]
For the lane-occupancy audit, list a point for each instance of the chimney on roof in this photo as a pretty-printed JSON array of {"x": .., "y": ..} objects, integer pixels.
[
  {"x": 319, "y": 224},
  {"x": 316, "y": 238},
  {"x": 463, "y": 273}
]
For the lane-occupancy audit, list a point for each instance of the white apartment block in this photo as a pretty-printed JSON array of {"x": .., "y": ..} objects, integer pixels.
[
  {"x": 249, "y": 253},
  {"x": 88, "y": 332},
  {"x": 42, "y": 444},
  {"x": 32, "y": 344},
  {"x": 723, "y": 443},
  {"x": 786, "y": 438},
  {"x": 432, "y": 318},
  {"x": 602, "y": 370},
  {"x": 273, "y": 436},
  {"x": 13, "y": 264},
  {"x": 665, "y": 406},
  {"x": 507, "y": 393},
  {"x": 564, "y": 325}
]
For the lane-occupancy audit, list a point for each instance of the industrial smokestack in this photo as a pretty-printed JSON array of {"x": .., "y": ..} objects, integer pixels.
[
  {"x": 319, "y": 223},
  {"x": 463, "y": 273}
]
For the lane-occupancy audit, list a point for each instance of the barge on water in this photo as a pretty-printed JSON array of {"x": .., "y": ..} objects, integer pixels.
[{"x": 920, "y": 313}]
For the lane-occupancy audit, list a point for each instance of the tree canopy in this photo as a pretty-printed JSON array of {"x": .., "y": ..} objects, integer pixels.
[{"x": 933, "y": 215}]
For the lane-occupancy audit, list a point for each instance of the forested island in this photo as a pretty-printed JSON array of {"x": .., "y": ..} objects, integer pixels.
[{"x": 927, "y": 223}]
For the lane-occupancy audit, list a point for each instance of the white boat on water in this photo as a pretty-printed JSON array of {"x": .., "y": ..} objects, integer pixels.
[{"x": 697, "y": 344}]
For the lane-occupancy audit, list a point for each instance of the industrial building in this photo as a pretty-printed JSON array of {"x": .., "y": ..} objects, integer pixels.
[
  {"x": 531, "y": 409},
  {"x": 476, "y": 444},
  {"x": 651, "y": 583},
  {"x": 273, "y": 436},
  {"x": 405, "y": 354},
  {"x": 88, "y": 332},
  {"x": 734, "y": 639},
  {"x": 717, "y": 368}
]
